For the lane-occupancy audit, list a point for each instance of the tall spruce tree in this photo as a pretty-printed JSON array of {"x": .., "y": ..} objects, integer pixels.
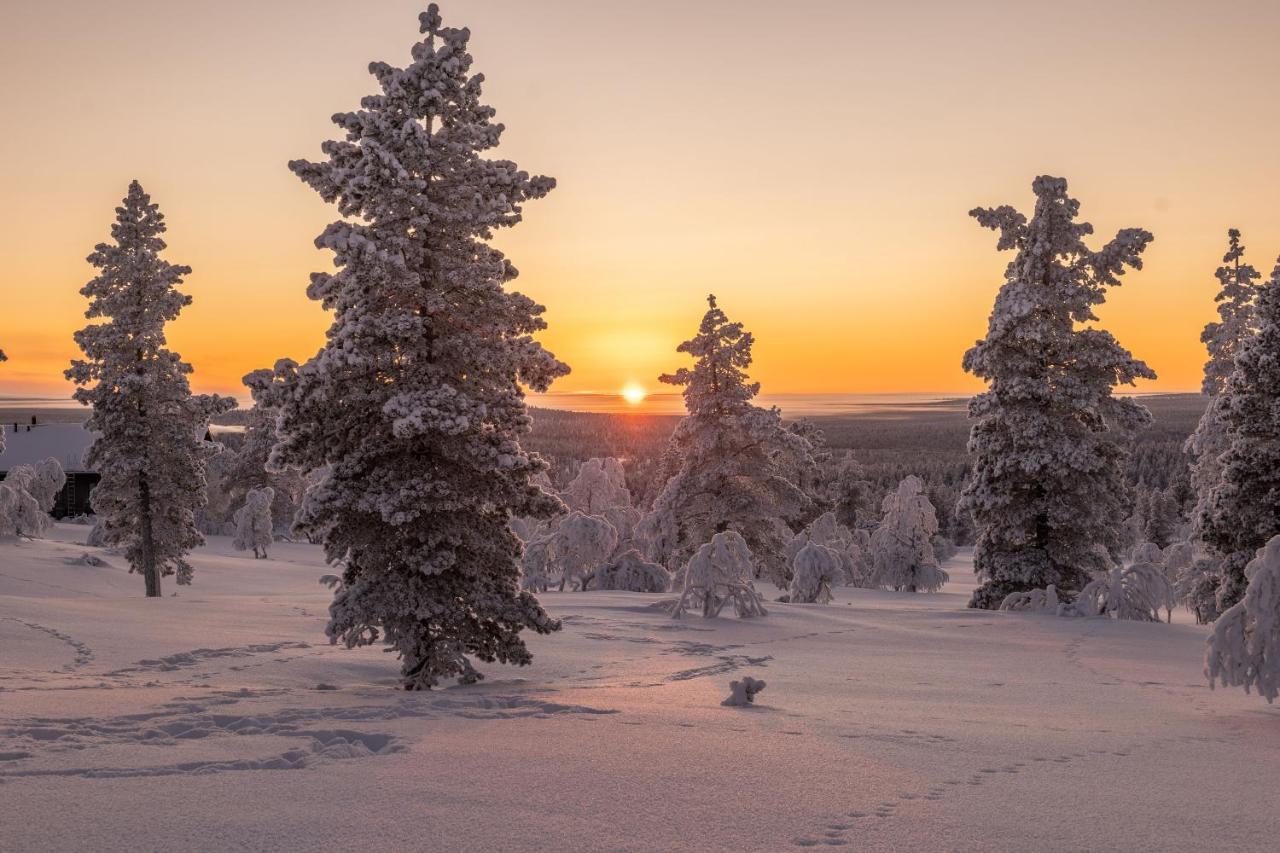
[
  {"x": 1204, "y": 448},
  {"x": 1243, "y": 511},
  {"x": 1050, "y": 441},
  {"x": 150, "y": 450},
  {"x": 414, "y": 404},
  {"x": 733, "y": 459}
]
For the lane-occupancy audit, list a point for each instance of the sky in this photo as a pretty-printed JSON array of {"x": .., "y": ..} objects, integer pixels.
[{"x": 811, "y": 163}]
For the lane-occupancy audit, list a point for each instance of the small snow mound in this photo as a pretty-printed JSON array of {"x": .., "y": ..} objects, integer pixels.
[{"x": 743, "y": 692}]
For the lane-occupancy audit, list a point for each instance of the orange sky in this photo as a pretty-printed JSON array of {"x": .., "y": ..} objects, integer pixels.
[{"x": 811, "y": 163}]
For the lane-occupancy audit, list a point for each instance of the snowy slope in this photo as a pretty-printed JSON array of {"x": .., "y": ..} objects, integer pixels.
[{"x": 206, "y": 721}]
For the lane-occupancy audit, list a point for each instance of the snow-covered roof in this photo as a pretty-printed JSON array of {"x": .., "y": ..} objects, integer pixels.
[{"x": 28, "y": 445}]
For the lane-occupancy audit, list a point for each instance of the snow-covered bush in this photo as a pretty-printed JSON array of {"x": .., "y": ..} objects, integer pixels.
[
  {"x": 1049, "y": 442},
  {"x": 414, "y": 406},
  {"x": 599, "y": 486},
  {"x": 1175, "y": 561},
  {"x": 20, "y": 513},
  {"x": 537, "y": 564},
  {"x": 743, "y": 692},
  {"x": 1244, "y": 649},
  {"x": 718, "y": 572},
  {"x": 581, "y": 544},
  {"x": 253, "y": 522},
  {"x": 1137, "y": 592},
  {"x": 814, "y": 570},
  {"x": 1036, "y": 601},
  {"x": 1197, "y": 588},
  {"x": 902, "y": 546},
  {"x": 150, "y": 449},
  {"x": 630, "y": 571},
  {"x": 943, "y": 549},
  {"x": 43, "y": 481},
  {"x": 825, "y": 530},
  {"x": 27, "y": 494},
  {"x": 730, "y": 475}
]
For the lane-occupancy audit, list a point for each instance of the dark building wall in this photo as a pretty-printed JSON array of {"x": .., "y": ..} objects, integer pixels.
[{"x": 74, "y": 497}]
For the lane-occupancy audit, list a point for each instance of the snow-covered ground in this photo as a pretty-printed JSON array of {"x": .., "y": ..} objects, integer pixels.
[{"x": 221, "y": 719}]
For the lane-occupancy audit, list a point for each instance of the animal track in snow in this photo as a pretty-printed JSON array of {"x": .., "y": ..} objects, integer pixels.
[
  {"x": 331, "y": 733},
  {"x": 195, "y": 657},
  {"x": 83, "y": 654}
]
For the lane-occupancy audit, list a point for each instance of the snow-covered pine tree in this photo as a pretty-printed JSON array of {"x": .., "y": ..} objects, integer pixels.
[
  {"x": 253, "y": 523},
  {"x": 150, "y": 450},
  {"x": 414, "y": 404},
  {"x": 1236, "y": 295},
  {"x": 902, "y": 547},
  {"x": 1244, "y": 649},
  {"x": 1048, "y": 493},
  {"x": 730, "y": 477},
  {"x": 1162, "y": 519},
  {"x": 1243, "y": 511},
  {"x": 246, "y": 468}
]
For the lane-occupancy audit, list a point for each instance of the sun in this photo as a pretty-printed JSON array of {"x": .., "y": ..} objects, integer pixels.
[{"x": 634, "y": 393}]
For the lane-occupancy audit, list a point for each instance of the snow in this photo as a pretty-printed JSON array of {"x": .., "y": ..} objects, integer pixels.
[
  {"x": 220, "y": 719},
  {"x": 28, "y": 445}
]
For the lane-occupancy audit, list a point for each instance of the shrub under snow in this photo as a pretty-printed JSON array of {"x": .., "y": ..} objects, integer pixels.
[
  {"x": 1137, "y": 592},
  {"x": 580, "y": 545},
  {"x": 743, "y": 692},
  {"x": 814, "y": 569},
  {"x": 27, "y": 495},
  {"x": 826, "y": 530},
  {"x": 253, "y": 522},
  {"x": 1036, "y": 601},
  {"x": 630, "y": 571},
  {"x": 1244, "y": 649},
  {"x": 720, "y": 571}
]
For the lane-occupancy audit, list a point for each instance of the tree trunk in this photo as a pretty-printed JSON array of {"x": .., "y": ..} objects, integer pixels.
[{"x": 150, "y": 571}]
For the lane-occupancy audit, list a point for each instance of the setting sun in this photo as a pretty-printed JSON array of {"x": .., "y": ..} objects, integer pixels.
[{"x": 633, "y": 393}]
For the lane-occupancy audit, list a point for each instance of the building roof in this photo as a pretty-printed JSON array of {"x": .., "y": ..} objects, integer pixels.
[{"x": 28, "y": 445}]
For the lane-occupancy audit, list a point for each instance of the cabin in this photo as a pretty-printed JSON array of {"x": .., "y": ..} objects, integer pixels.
[{"x": 27, "y": 444}]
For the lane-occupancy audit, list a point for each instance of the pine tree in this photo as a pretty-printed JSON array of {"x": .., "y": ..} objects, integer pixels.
[
  {"x": 414, "y": 405},
  {"x": 902, "y": 547},
  {"x": 1050, "y": 441},
  {"x": 151, "y": 452},
  {"x": 730, "y": 476},
  {"x": 1236, "y": 296},
  {"x": 1243, "y": 511},
  {"x": 1162, "y": 519},
  {"x": 1235, "y": 299}
]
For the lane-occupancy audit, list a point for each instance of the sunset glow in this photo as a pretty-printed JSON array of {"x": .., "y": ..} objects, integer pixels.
[
  {"x": 634, "y": 393},
  {"x": 842, "y": 242}
]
